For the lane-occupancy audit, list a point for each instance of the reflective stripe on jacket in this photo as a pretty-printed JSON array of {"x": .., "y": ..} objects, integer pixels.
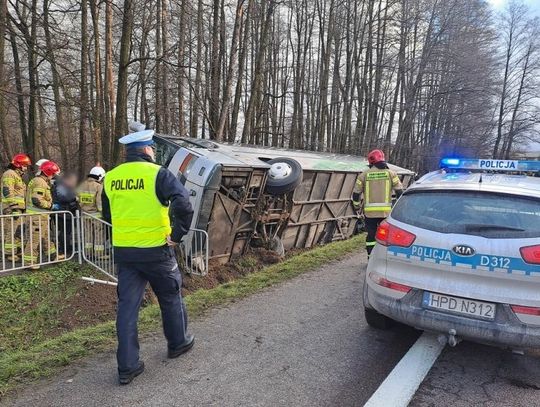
[
  {"x": 377, "y": 186},
  {"x": 13, "y": 191},
  {"x": 139, "y": 219},
  {"x": 89, "y": 193},
  {"x": 38, "y": 195}
]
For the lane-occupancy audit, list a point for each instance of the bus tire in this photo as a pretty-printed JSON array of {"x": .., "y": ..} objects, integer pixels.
[{"x": 284, "y": 176}]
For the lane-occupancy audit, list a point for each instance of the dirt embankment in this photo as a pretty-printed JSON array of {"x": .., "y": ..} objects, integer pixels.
[{"x": 94, "y": 303}]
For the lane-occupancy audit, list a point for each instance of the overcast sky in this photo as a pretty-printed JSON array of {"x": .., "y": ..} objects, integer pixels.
[
  {"x": 534, "y": 4},
  {"x": 535, "y": 7}
]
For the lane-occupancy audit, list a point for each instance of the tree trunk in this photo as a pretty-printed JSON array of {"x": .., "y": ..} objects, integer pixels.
[
  {"x": 84, "y": 88},
  {"x": 121, "y": 119},
  {"x": 56, "y": 85},
  {"x": 98, "y": 116},
  {"x": 109, "y": 144},
  {"x": 231, "y": 71},
  {"x": 8, "y": 149}
]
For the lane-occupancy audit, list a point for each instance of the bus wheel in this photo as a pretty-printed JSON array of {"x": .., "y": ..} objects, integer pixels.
[{"x": 284, "y": 175}]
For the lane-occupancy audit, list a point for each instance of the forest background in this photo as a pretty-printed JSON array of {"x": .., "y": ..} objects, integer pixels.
[{"x": 418, "y": 78}]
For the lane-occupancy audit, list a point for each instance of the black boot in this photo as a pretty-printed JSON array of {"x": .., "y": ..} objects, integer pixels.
[
  {"x": 127, "y": 378},
  {"x": 186, "y": 346}
]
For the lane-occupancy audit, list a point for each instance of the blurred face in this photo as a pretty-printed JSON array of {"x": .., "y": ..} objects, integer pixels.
[{"x": 71, "y": 180}]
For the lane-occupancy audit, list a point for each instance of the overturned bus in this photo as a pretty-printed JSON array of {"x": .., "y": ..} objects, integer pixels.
[{"x": 254, "y": 196}]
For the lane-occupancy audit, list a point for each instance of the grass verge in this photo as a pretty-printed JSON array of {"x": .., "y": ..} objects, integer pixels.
[{"x": 42, "y": 359}]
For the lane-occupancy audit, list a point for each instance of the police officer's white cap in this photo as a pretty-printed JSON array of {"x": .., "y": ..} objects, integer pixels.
[{"x": 138, "y": 139}]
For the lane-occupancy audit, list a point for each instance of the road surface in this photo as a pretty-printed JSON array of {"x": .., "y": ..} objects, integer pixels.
[{"x": 302, "y": 343}]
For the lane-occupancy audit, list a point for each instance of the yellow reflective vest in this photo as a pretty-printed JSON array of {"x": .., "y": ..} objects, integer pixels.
[
  {"x": 13, "y": 192},
  {"x": 377, "y": 186},
  {"x": 138, "y": 217}
]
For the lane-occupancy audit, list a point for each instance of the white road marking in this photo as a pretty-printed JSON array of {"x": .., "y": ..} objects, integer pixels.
[{"x": 399, "y": 387}]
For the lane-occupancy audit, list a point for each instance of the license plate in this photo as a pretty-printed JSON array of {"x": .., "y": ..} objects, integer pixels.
[{"x": 456, "y": 305}]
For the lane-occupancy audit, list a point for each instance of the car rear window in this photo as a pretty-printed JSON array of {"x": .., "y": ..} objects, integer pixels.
[{"x": 475, "y": 213}]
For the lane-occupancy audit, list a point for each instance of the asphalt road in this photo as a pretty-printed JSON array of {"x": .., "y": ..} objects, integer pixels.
[
  {"x": 302, "y": 343},
  {"x": 478, "y": 375}
]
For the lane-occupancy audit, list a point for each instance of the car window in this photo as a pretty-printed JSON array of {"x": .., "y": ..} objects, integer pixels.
[{"x": 475, "y": 213}]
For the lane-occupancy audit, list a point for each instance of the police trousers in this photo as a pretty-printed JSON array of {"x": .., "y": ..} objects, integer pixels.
[
  {"x": 165, "y": 279},
  {"x": 371, "y": 227}
]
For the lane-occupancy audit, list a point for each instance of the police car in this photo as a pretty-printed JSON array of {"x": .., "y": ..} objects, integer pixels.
[{"x": 460, "y": 255}]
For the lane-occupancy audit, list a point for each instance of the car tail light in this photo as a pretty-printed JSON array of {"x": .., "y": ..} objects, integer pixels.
[
  {"x": 531, "y": 254},
  {"x": 383, "y": 282},
  {"x": 518, "y": 309},
  {"x": 390, "y": 235}
]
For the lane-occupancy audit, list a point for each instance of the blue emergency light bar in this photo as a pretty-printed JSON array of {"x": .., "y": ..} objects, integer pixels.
[{"x": 490, "y": 165}]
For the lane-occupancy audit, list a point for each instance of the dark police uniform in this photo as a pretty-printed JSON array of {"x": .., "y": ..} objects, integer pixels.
[{"x": 137, "y": 198}]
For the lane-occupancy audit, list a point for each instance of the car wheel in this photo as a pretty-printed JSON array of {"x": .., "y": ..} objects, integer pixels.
[
  {"x": 376, "y": 320},
  {"x": 284, "y": 175},
  {"x": 373, "y": 318}
]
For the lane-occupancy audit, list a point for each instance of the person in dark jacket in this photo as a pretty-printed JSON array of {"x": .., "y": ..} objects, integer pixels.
[
  {"x": 137, "y": 198},
  {"x": 64, "y": 197}
]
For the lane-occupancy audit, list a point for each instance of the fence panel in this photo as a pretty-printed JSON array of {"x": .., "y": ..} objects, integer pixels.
[
  {"x": 96, "y": 248},
  {"x": 96, "y": 245},
  {"x": 194, "y": 252},
  {"x": 36, "y": 239}
]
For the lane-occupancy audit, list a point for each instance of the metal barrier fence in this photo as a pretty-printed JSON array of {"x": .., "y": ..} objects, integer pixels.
[
  {"x": 95, "y": 244},
  {"x": 36, "y": 239},
  {"x": 194, "y": 252}
]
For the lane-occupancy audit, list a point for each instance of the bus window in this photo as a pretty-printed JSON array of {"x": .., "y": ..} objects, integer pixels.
[
  {"x": 164, "y": 152},
  {"x": 186, "y": 166}
]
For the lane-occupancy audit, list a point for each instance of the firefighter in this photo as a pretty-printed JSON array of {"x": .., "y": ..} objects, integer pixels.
[
  {"x": 38, "y": 164},
  {"x": 137, "y": 198},
  {"x": 12, "y": 201},
  {"x": 89, "y": 193},
  {"x": 38, "y": 200},
  {"x": 376, "y": 186}
]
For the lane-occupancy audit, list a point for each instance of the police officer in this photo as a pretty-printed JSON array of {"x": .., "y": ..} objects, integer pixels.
[
  {"x": 89, "y": 194},
  {"x": 137, "y": 198},
  {"x": 376, "y": 185},
  {"x": 39, "y": 200},
  {"x": 12, "y": 201}
]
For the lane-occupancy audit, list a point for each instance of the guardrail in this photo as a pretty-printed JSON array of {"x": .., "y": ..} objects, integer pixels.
[{"x": 36, "y": 239}]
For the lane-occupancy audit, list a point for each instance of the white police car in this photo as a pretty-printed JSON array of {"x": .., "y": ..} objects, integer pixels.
[{"x": 460, "y": 255}]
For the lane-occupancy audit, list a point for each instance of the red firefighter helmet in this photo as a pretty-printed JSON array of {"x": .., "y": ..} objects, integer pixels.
[
  {"x": 21, "y": 160},
  {"x": 375, "y": 156},
  {"x": 50, "y": 168}
]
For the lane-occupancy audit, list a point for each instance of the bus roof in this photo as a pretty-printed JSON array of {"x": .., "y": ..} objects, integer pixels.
[{"x": 253, "y": 156}]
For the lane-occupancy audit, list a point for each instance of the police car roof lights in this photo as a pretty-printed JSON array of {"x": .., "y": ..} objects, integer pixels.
[{"x": 473, "y": 164}]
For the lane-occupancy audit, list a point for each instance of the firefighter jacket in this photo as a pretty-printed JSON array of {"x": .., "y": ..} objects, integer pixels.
[
  {"x": 377, "y": 186},
  {"x": 13, "y": 192},
  {"x": 38, "y": 195},
  {"x": 89, "y": 193}
]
